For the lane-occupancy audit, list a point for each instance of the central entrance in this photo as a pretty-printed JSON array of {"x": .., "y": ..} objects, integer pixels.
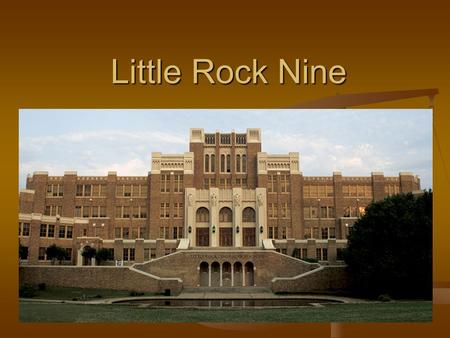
[
  {"x": 249, "y": 236},
  {"x": 202, "y": 236}
]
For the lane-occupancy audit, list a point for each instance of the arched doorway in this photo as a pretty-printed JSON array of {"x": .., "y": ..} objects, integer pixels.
[
  {"x": 249, "y": 274},
  {"x": 226, "y": 274},
  {"x": 225, "y": 227},
  {"x": 249, "y": 227},
  {"x": 237, "y": 274},
  {"x": 204, "y": 274},
  {"x": 202, "y": 226},
  {"x": 215, "y": 274}
]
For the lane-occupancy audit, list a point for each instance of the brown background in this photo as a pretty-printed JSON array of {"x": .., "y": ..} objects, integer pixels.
[{"x": 59, "y": 56}]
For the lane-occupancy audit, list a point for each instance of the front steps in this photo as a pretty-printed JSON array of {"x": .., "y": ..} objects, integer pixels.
[{"x": 224, "y": 289}]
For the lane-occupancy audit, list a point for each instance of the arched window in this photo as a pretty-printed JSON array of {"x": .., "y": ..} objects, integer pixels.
[
  {"x": 238, "y": 163},
  {"x": 202, "y": 215},
  {"x": 213, "y": 163},
  {"x": 228, "y": 163},
  {"x": 225, "y": 215},
  {"x": 222, "y": 163},
  {"x": 244, "y": 163},
  {"x": 248, "y": 215},
  {"x": 206, "y": 163}
]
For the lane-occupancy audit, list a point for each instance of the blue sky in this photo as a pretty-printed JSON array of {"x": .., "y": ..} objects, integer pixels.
[{"x": 356, "y": 142}]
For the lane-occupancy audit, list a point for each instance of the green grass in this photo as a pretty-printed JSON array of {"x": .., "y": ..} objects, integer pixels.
[
  {"x": 404, "y": 311},
  {"x": 81, "y": 293}
]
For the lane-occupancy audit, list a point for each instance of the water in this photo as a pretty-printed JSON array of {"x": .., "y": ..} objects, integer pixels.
[{"x": 228, "y": 303}]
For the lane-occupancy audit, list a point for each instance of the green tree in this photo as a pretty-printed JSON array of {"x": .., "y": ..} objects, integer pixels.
[
  {"x": 56, "y": 253},
  {"x": 88, "y": 252},
  {"x": 390, "y": 248},
  {"x": 102, "y": 255}
]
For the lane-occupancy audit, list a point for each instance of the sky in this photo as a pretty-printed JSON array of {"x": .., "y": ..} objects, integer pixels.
[{"x": 353, "y": 141}]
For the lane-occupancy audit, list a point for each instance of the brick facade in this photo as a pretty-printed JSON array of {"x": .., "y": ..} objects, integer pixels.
[{"x": 145, "y": 217}]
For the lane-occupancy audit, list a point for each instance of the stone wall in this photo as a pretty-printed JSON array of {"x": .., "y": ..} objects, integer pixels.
[
  {"x": 115, "y": 278},
  {"x": 324, "y": 279},
  {"x": 267, "y": 265}
]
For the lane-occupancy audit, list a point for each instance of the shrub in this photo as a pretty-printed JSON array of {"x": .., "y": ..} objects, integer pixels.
[
  {"x": 27, "y": 291},
  {"x": 384, "y": 298},
  {"x": 136, "y": 293},
  {"x": 42, "y": 286}
]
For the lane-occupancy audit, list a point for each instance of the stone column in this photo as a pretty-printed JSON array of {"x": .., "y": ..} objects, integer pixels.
[
  {"x": 160, "y": 247},
  {"x": 237, "y": 216},
  {"x": 214, "y": 216},
  {"x": 232, "y": 274},
  {"x": 118, "y": 249},
  {"x": 139, "y": 250},
  {"x": 209, "y": 275},
  {"x": 261, "y": 215},
  {"x": 332, "y": 251},
  {"x": 311, "y": 248},
  {"x": 189, "y": 217}
]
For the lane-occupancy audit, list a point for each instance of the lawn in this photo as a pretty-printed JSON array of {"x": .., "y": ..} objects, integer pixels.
[
  {"x": 404, "y": 311},
  {"x": 63, "y": 293}
]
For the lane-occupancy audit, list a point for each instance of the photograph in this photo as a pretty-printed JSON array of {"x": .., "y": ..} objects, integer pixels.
[{"x": 225, "y": 215}]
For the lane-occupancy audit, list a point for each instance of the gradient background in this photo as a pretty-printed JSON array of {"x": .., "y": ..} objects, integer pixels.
[{"x": 55, "y": 56}]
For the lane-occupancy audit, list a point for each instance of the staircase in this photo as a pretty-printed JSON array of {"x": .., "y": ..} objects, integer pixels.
[{"x": 227, "y": 290}]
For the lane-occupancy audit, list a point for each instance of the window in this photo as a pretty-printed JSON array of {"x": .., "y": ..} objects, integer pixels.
[
  {"x": 165, "y": 182},
  {"x": 53, "y": 210},
  {"x": 69, "y": 231},
  {"x": 324, "y": 254},
  {"x": 202, "y": 215},
  {"x": 117, "y": 232},
  {"x": 126, "y": 232},
  {"x": 238, "y": 163},
  {"x": 323, "y": 212},
  {"x": 307, "y": 233},
  {"x": 332, "y": 232},
  {"x": 318, "y": 191},
  {"x": 272, "y": 209},
  {"x": 69, "y": 254},
  {"x": 209, "y": 182},
  {"x": 51, "y": 230},
  {"x": 42, "y": 256},
  {"x": 84, "y": 190},
  {"x": 283, "y": 232},
  {"x": 339, "y": 254},
  {"x": 285, "y": 210},
  {"x": 178, "y": 210},
  {"x": 324, "y": 233},
  {"x": 164, "y": 210},
  {"x": 126, "y": 212},
  {"x": 270, "y": 183},
  {"x": 142, "y": 212},
  {"x": 206, "y": 163},
  {"x": 319, "y": 254},
  {"x": 225, "y": 215},
  {"x": 315, "y": 233},
  {"x": 314, "y": 212},
  {"x": 24, "y": 229},
  {"x": 102, "y": 211},
  {"x": 248, "y": 215},
  {"x": 43, "y": 230},
  {"x": 213, "y": 163},
  {"x": 175, "y": 232},
  {"x": 24, "y": 253},
  {"x": 391, "y": 189},
  {"x": 127, "y": 190},
  {"x": 178, "y": 183},
  {"x": 55, "y": 190},
  {"x": 228, "y": 163},
  {"x": 285, "y": 183},
  {"x": 222, "y": 163},
  {"x": 62, "y": 231},
  {"x": 225, "y": 183},
  {"x": 350, "y": 211},
  {"x": 128, "y": 254},
  {"x": 244, "y": 163},
  {"x": 362, "y": 191},
  {"x": 86, "y": 211}
]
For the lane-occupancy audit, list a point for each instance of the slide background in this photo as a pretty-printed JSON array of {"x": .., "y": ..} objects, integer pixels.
[{"x": 57, "y": 55}]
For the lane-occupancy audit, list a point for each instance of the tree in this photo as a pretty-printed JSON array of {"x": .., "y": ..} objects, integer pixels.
[
  {"x": 55, "y": 252},
  {"x": 88, "y": 252},
  {"x": 390, "y": 248},
  {"x": 103, "y": 254}
]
